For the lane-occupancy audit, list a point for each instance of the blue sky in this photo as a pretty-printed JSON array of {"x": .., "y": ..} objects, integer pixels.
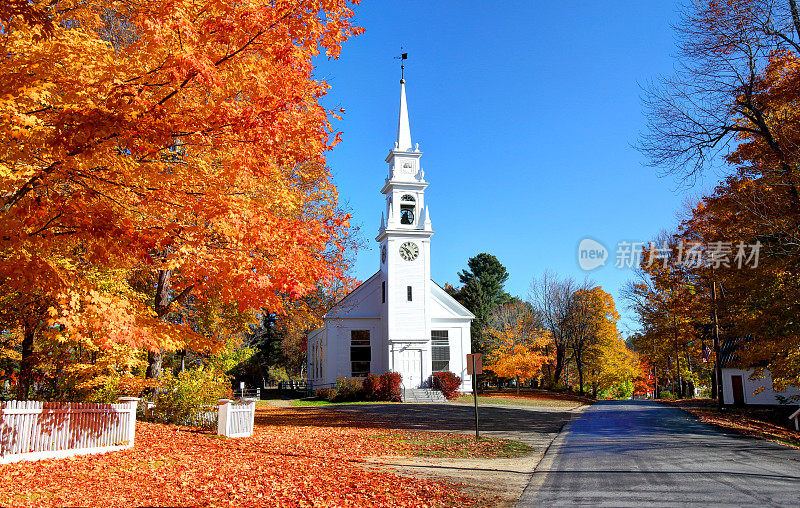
[{"x": 526, "y": 112}]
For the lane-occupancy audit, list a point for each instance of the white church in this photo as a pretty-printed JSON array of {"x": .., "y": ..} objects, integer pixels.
[{"x": 398, "y": 320}]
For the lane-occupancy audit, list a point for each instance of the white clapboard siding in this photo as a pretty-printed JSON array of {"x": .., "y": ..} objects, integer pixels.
[
  {"x": 236, "y": 419},
  {"x": 33, "y": 430}
]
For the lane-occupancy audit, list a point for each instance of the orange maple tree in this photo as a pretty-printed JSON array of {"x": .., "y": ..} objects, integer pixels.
[
  {"x": 516, "y": 343},
  {"x": 179, "y": 137}
]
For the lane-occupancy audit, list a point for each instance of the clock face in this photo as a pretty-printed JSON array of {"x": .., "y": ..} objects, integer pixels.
[
  {"x": 383, "y": 254},
  {"x": 409, "y": 251}
]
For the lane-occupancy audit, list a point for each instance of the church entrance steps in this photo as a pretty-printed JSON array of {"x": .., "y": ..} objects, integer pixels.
[{"x": 423, "y": 395}]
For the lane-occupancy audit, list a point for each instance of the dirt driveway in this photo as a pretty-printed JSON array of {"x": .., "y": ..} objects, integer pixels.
[{"x": 504, "y": 478}]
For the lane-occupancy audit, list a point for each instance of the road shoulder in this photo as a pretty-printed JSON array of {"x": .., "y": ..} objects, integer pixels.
[{"x": 537, "y": 477}]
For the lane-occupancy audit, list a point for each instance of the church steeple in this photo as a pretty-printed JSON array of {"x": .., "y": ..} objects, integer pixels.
[
  {"x": 405, "y": 185},
  {"x": 403, "y": 127}
]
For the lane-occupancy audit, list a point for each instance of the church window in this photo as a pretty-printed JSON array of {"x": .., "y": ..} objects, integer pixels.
[
  {"x": 409, "y": 293},
  {"x": 408, "y": 197},
  {"x": 319, "y": 360},
  {"x": 360, "y": 353},
  {"x": 440, "y": 351}
]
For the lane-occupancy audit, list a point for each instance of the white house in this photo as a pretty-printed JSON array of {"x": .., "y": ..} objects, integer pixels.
[
  {"x": 741, "y": 387},
  {"x": 399, "y": 319}
]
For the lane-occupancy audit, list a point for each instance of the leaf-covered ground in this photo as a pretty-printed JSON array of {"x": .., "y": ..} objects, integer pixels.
[
  {"x": 749, "y": 421},
  {"x": 295, "y": 458}
]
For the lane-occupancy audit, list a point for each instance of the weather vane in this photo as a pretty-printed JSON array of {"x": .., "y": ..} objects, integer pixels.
[{"x": 403, "y": 57}]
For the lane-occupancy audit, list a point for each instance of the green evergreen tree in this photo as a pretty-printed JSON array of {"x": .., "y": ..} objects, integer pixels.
[{"x": 482, "y": 292}]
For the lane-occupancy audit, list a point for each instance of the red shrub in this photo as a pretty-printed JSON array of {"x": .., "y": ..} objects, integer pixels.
[
  {"x": 390, "y": 386},
  {"x": 448, "y": 383},
  {"x": 372, "y": 387}
]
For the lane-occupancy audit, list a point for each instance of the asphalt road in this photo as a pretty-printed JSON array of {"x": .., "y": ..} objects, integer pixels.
[{"x": 626, "y": 453}]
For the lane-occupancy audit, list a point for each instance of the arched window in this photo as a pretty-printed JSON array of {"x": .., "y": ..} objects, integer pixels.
[{"x": 408, "y": 197}]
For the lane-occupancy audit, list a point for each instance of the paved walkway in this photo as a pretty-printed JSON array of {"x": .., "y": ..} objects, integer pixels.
[{"x": 625, "y": 453}]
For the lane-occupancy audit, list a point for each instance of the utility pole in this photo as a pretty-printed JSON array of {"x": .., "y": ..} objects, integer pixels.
[
  {"x": 718, "y": 359},
  {"x": 655, "y": 371},
  {"x": 678, "y": 383}
]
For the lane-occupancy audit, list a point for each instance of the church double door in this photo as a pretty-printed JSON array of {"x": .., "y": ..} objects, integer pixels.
[{"x": 408, "y": 362}]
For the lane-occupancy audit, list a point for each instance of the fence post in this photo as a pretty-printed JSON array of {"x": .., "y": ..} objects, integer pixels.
[
  {"x": 130, "y": 432},
  {"x": 224, "y": 416},
  {"x": 252, "y": 404}
]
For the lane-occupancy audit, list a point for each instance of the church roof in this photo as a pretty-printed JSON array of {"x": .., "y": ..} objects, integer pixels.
[
  {"x": 353, "y": 300},
  {"x": 447, "y": 299},
  {"x": 364, "y": 302}
]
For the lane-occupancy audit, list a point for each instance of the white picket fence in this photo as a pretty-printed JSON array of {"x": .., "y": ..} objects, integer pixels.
[
  {"x": 236, "y": 419},
  {"x": 33, "y": 430}
]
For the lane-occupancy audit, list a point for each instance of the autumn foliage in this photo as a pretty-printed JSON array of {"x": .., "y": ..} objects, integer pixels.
[
  {"x": 733, "y": 104},
  {"x": 160, "y": 155}
]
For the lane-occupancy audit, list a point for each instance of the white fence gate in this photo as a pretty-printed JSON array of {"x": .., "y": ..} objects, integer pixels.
[
  {"x": 236, "y": 419},
  {"x": 32, "y": 430}
]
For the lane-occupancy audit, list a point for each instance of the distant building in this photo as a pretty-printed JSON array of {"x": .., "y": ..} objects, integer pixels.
[
  {"x": 739, "y": 390},
  {"x": 399, "y": 319}
]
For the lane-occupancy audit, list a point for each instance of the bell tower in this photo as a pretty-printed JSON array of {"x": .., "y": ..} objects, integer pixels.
[{"x": 404, "y": 238}]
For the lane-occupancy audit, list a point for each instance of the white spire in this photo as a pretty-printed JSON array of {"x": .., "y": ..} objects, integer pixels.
[
  {"x": 383, "y": 223},
  {"x": 403, "y": 128},
  {"x": 427, "y": 223}
]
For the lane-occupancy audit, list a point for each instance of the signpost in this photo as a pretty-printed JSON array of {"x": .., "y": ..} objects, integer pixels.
[{"x": 475, "y": 367}]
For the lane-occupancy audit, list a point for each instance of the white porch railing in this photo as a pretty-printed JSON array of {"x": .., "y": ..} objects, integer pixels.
[
  {"x": 33, "y": 430},
  {"x": 796, "y": 417},
  {"x": 236, "y": 419}
]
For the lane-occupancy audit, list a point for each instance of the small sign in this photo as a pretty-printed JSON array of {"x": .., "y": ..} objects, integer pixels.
[{"x": 474, "y": 364}]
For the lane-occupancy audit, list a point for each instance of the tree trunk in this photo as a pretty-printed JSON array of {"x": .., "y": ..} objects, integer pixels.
[
  {"x": 580, "y": 376},
  {"x": 560, "y": 353},
  {"x": 678, "y": 390},
  {"x": 517, "y": 385},
  {"x": 182, "y": 356},
  {"x": 155, "y": 358},
  {"x": 655, "y": 381},
  {"x": 714, "y": 382},
  {"x": 26, "y": 362}
]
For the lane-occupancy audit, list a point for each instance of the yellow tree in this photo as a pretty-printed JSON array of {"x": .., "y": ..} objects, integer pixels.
[
  {"x": 611, "y": 365},
  {"x": 591, "y": 323},
  {"x": 517, "y": 343}
]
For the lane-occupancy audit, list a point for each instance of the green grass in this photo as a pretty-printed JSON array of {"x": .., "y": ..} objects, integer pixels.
[
  {"x": 303, "y": 403},
  {"x": 516, "y": 401},
  {"x": 443, "y": 445}
]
